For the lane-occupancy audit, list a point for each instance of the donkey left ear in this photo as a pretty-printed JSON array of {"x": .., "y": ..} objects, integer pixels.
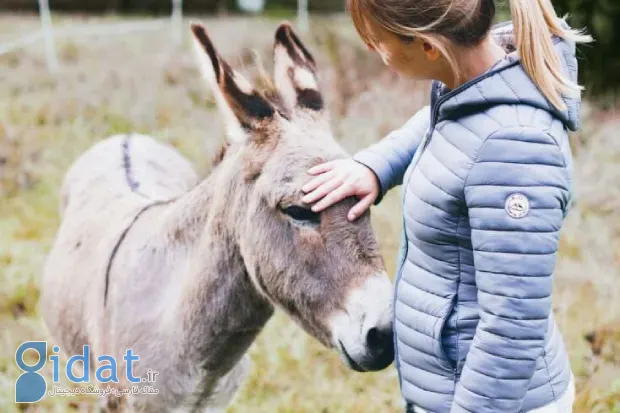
[{"x": 295, "y": 71}]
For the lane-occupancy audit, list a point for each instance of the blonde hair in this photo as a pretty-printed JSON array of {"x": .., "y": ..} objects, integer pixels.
[
  {"x": 447, "y": 24},
  {"x": 534, "y": 23}
]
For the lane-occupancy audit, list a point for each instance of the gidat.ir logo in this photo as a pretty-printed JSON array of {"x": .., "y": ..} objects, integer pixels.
[{"x": 31, "y": 386}]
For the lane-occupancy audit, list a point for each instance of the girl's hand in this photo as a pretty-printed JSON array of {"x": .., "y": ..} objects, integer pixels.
[{"x": 337, "y": 180}]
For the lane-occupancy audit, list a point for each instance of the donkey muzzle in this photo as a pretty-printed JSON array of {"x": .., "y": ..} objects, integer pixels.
[{"x": 363, "y": 333}]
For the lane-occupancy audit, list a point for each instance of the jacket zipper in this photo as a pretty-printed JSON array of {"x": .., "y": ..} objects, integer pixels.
[
  {"x": 399, "y": 274},
  {"x": 405, "y": 250}
]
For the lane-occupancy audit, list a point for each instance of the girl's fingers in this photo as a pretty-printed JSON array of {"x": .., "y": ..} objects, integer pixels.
[
  {"x": 322, "y": 191},
  {"x": 361, "y": 207},
  {"x": 321, "y": 168},
  {"x": 316, "y": 182},
  {"x": 333, "y": 197}
]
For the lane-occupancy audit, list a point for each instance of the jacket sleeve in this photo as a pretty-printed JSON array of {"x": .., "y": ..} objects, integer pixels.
[
  {"x": 390, "y": 157},
  {"x": 516, "y": 195}
]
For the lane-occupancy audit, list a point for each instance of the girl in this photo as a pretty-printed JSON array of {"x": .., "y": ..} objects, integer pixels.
[{"x": 485, "y": 194}]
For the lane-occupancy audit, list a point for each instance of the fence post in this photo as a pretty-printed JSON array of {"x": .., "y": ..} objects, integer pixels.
[
  {"x": 177, "y": 21},
  {"x": 302, "y": 15},
  {"x": 48, "y": 35}
]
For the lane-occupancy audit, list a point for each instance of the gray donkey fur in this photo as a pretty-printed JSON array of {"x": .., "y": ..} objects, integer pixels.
[{"x": 187, "y": 273}]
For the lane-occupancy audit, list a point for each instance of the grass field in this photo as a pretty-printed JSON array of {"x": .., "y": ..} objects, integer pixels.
[{"x": 143, "y": 83}]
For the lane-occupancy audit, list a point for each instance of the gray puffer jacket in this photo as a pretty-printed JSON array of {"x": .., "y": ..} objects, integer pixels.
[{"x": 485, "y": 194}]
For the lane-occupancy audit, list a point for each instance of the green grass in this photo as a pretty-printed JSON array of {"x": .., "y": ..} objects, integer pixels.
[{"x": 142, "y": 83}]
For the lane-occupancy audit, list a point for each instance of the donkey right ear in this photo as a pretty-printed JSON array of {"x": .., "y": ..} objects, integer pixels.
[
  {"x": 243, "y": 107},
  {"x": 295, "y": 71}
]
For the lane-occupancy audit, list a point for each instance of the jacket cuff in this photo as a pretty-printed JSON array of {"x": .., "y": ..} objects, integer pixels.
[{"x": 379, "y": 166}]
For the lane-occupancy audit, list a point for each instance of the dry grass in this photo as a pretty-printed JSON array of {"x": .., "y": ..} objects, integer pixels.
[{"x": 142, "y": 83}]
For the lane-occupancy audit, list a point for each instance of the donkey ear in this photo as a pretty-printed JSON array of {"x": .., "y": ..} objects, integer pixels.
[
  {"x": 243, "y": 107},
  {"x": 295, "y": 71}
]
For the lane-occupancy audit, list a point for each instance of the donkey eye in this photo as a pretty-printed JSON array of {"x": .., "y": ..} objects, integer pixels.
[{"x": 303, "y": 215}]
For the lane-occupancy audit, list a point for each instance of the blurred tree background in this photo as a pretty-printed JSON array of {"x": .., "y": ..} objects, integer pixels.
[{"x": 599, "y": 64}]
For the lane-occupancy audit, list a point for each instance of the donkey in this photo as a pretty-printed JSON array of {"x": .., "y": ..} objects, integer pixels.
[{"x": 187, "y": 273}]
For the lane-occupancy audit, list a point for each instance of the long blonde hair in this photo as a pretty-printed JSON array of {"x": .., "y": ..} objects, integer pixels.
[{"x": 447, "y": 24}]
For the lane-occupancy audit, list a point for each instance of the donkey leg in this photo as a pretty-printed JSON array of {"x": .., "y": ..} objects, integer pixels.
[{"x": 227, "y": 387}]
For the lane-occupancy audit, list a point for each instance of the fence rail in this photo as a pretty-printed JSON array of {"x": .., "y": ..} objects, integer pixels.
[{"x": 48, "y": 33}]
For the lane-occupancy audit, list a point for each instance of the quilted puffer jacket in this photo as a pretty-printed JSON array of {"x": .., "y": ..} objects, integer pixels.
[{"x": 485, "y": 193}]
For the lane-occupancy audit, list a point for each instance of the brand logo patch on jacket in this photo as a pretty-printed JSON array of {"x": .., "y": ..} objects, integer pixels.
[{"x": 517, "y": 205}]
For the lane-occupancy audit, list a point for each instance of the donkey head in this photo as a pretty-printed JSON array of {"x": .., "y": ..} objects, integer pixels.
[{"x": 323, "y": 270}]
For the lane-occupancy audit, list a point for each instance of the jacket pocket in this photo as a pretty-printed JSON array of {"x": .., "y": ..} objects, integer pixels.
[{"x": 446, "y": 361}]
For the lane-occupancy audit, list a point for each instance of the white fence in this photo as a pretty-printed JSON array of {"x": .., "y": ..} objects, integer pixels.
[{"x": 48, "y": 34}]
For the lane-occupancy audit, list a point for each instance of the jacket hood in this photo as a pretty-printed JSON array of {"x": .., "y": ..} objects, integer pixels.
[{"x": 508, "y": 83}]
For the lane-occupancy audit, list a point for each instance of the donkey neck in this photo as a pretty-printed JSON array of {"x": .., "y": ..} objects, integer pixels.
[{"x": 218, "y": 311}]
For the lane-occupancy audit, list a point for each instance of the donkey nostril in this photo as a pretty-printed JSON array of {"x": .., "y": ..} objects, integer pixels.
[
  {"x": 377, "y": 339},
  {"x": 372, "y": 338}
]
